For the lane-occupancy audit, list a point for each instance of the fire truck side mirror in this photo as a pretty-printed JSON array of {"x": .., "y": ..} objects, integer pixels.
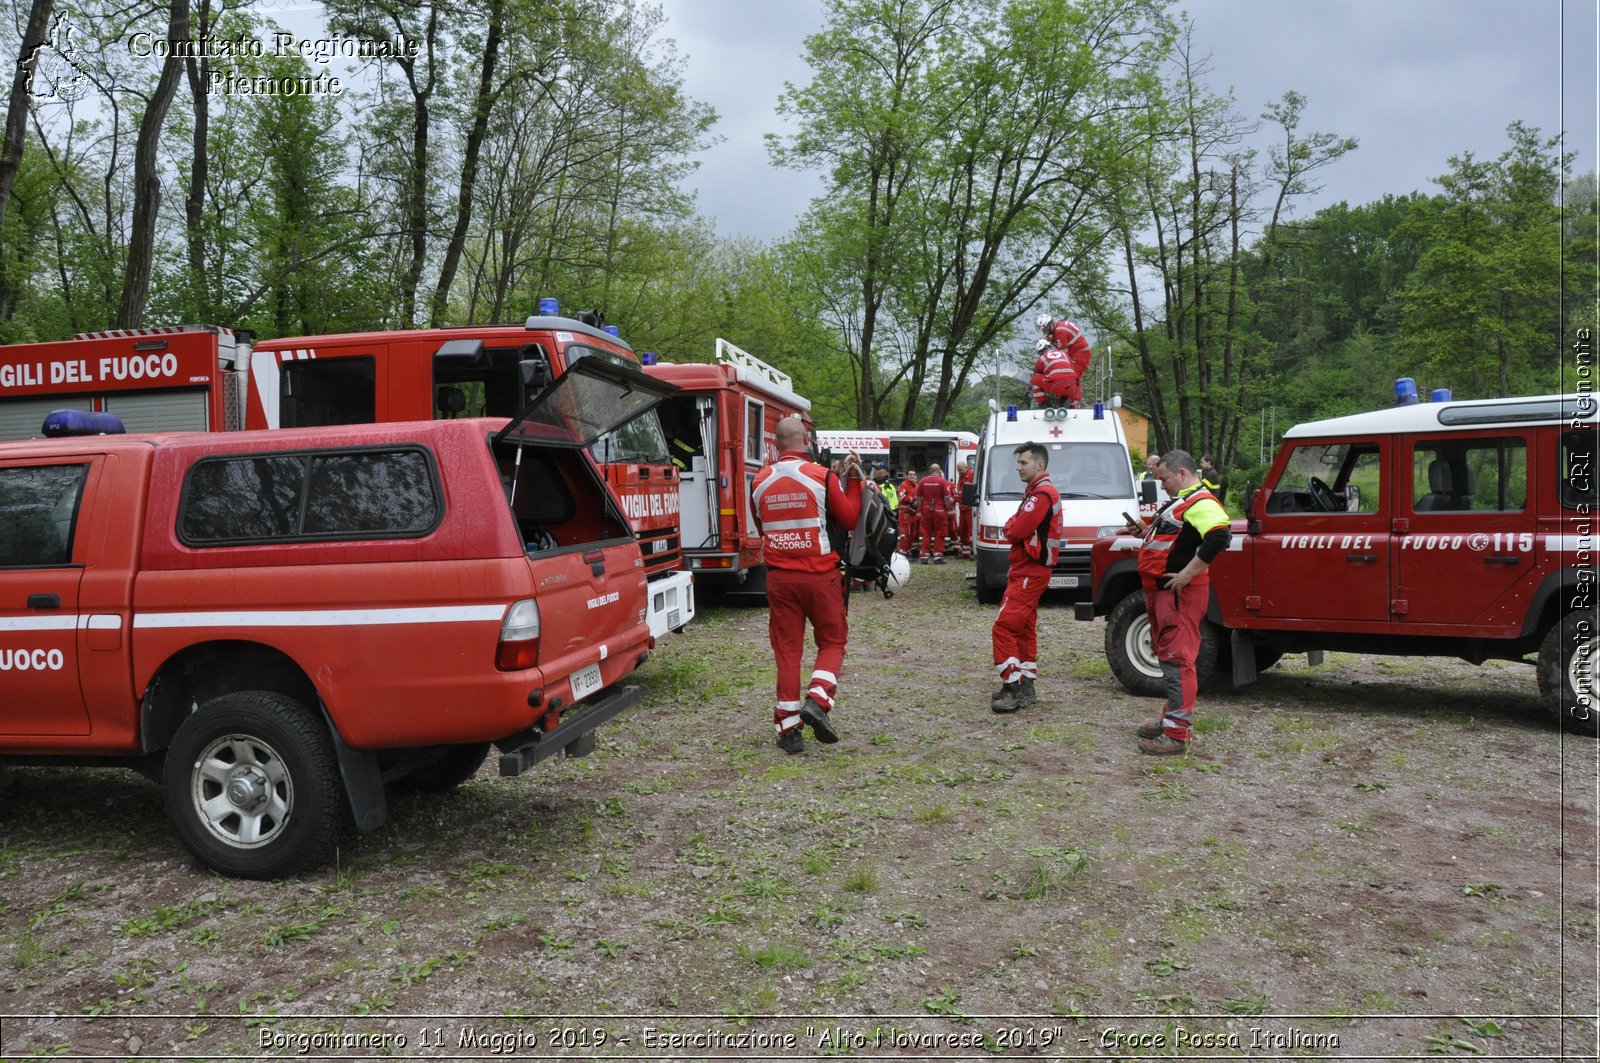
[
  {"x": 1147, "y": 492},
  {"x": 535, "y": 374}
]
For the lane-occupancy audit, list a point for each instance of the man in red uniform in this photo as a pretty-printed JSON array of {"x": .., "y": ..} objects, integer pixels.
[
  {"x": 794, "y": 499},
  {"x": 908, "y": 512},
  {"x": 1054, "y": 379},
  {"x": 933, "y": 506},
  {"x": 1178, "y": 549},
  {"x": 1069, "y": 339},
  {"x": 963, "y": 514},
  {"x": 1033, "y": 531}
]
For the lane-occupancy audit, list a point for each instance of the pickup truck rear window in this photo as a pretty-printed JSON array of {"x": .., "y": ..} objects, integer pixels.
[{"x": 316, "y": 496}]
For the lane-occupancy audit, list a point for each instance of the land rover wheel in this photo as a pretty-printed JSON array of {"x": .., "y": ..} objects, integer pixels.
[
  {"x": 1567, "y": 662},
  {"x": 1133, "y": 657},
  {"x": 454, "y": 766},
  {"x": 252, "y": 785},
  {"x": 1128, "y": 648}
]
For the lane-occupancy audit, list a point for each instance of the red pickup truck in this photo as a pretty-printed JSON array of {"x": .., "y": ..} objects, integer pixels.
[{"x": 274, "y": 624}]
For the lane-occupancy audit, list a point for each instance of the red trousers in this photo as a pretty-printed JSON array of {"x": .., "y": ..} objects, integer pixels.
[
  {"x": 1175, "y": 633},
  {"x": 793, "y": 598},
  {"x": 935, "y": 525},
  {"x": 908, "y": 529},
  {"x": 1016, "y": 629},
  {"x": 963, "y": 529}
]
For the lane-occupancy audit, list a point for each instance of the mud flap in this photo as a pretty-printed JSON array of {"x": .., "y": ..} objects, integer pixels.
[
  {"x": 1244, "y": 658},
  {"x": 363, "y": 781}
]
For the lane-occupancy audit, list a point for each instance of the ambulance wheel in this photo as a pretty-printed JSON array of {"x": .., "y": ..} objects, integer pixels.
[
  {"x": 1133, "y": 657},
  {"x": 252, "y": 785},
  {"x": 456, "y": 764},
  {"x": 987, "y": 595},
  {"x": 1567, "y": 673}
]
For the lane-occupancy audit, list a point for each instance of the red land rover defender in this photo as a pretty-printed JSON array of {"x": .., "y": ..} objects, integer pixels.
[
  {"x": 274, "y": 624},
  {"x": 1462, "y": 529}
]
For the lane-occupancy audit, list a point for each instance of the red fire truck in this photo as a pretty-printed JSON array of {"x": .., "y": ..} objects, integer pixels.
[
  {"x": 205, "y": 378},
  {"x": 189, "y": 378},
  {"x": 719, "y": 431}
]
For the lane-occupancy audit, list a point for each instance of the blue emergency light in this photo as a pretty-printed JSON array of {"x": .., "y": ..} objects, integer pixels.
[
  {"x": 648, "y": 358},
  {"x": 1405, "y": 391},
  {"x": 1011, "y": 412},
  {"x": 81, "y": 423},
  {"x": 1439, "y": 395},
  {"x": 612, "y": 330},
  {"x": 550, "y": 306},
  {"x": 1099, "y": 410}
]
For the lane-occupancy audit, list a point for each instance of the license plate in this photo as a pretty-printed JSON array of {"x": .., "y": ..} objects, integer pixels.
[
  {"x": 585, "y": 681},
  {"x": 1063, "y": 582}
]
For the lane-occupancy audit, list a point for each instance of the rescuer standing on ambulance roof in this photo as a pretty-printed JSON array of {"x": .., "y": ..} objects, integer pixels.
[
  {"x": 1179, "y": 546},
  {"x": 1060, "y": 371},
  {"x": 794, "y": 500}
]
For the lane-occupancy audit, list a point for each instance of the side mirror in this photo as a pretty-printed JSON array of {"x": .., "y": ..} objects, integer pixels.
[
  {"x": 1147, "y": 492},
  {"x": 1252, "y": 526},
  {"x": 969, "y": 494},
  {"x": 535, "y": 374}
]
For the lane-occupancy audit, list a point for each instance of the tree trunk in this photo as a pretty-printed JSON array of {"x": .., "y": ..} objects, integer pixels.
[
  {"x": 195, "y": 204},
  {"x": 16, "y": 126},
  {"x": 469, "y": 168},
  {"x": 146, "y": 182}
]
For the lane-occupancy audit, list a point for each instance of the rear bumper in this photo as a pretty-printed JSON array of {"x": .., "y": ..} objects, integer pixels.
[
  {"x": 671, "y": 602},
  {"x": 574, "y": 736}
]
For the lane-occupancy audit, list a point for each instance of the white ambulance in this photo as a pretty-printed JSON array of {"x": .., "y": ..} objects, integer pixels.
[{"x": 1090, "y": 467}]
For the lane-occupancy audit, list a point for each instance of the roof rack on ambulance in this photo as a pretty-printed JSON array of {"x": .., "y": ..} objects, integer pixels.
[{"x": 729, "y": 354}]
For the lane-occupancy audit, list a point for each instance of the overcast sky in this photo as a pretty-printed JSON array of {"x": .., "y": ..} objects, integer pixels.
[{"x": 1415, "y": 81}]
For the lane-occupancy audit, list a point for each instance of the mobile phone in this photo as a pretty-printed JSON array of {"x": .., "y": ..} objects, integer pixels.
[{"x": 1132, "y": 523}]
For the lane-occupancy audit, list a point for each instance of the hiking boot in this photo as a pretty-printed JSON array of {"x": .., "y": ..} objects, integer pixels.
[
  {"x": 817, "y": 717},
  {"x": 792, "y": 741},
  {"x": 938, "y": 560},
  {"x": 922, "y": 561},
  {"x": 1007, "y": 699},
  {"x": 1026, "y": 695},
  {"x": 1149, "y": 730},
  {"x": 1163, "y": 746}
]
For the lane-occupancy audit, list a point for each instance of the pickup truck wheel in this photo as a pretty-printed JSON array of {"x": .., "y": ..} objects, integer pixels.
[
  {"x": 1128, "y": 648},
  {"x": 454, "y": 767},
  {"x": 1567, "y": 661},
  {"x": 252, "y": 785}
]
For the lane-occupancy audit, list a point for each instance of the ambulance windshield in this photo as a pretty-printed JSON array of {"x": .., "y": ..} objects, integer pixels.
[{"x": 1078, "y": 470}]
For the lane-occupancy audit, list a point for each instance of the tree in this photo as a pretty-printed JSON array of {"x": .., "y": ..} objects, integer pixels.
[
  {"x": 1484, "y": 303},
  {"x": 146, "y": 180}
]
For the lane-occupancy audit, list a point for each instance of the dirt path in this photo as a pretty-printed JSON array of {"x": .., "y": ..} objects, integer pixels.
[{"x": 1371, "y": 858}]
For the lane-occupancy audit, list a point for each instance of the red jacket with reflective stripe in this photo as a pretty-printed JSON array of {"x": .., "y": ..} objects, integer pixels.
[
  {"x": 1035, "y": 528},
  {"x": 792, "y": 500}
]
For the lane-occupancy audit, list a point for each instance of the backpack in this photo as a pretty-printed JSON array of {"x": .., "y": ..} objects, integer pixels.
[{"x": 870, "y": 554}]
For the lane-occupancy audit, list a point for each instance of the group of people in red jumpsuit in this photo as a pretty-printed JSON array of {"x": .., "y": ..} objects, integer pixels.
[{"x": 931, "y": 514}]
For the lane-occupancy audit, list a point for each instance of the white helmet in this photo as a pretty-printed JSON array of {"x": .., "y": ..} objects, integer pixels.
[
  {"x": 1043, "y": 345},
  {"x": 1043, "y": 321},
  {"x": 899, "y": 571}
]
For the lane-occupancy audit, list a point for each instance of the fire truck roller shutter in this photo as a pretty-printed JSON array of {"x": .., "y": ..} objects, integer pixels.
[
  {"x": 160, "y": 411},
  {"x": 22, "y": 418}
]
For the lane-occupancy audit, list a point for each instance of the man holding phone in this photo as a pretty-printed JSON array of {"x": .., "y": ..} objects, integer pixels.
[{"x": 1179, "y": 545}]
